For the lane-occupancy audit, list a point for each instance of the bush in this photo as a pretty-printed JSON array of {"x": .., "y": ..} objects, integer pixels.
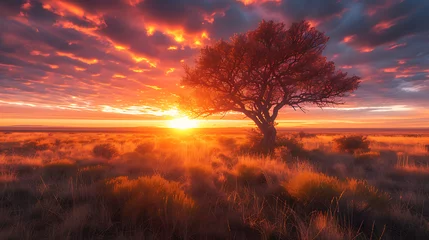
[
  {"x": 366, "y": 157},
  {"x": 59, "y": 170},
  {"x": 320, "y": 190},
  {"x": 352, "y": 144},
  {"x": 107, "y": 151},
  {"x": 145, "y": 147},
  {"x": 250, "y": 176},
  {"x": 303, "y": 134},
  {"x": 252, "y": 145},
  {"x": 152, "y": 201},
  {"x": 323, "y": 226},
  {"x": 315, "y": 188},
  {"x": 92, "y": 174},
  {"x": 366, "y": 195},
  {"x": 294, "y": 147},
  {"x": 28, "y": 148}
]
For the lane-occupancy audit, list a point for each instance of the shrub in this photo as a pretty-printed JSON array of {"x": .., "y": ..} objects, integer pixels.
[
  {"x": 250, "y": 176},
  {"x": 150, "y": 201},
  {"x": 366, "y": 157},
  {"x": 323, "y": 226},
  {"x": 92, "y": 174},
  {"x": 28, "y": 148},
  {"x": 294, "y": 147},
  {"x": 303, "y": 134},
  {"x": 252, "y": 145},
  {"x": 368, "y": 196},
  {"x": 107, "y": 151},
  {"x": 315, "y": 188},
  {"x": 352, "y": 144},
  {"x": 59, "y": 170},
  {"x": 145, "y": 147},
  {"x": 200, "y": 182}
]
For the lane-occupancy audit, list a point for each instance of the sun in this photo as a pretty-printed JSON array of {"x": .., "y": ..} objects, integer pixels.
[{"x": 183, "y": 123}]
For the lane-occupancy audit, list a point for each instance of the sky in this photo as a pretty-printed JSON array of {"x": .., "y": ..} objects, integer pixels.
[{"x": 120, "y": 62}]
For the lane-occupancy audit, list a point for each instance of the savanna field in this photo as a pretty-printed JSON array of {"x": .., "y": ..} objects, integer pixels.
[{"x": 193, "y": 184}]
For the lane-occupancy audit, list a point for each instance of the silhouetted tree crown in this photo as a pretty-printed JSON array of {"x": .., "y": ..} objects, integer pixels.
[{"x": 260, "y": 72}]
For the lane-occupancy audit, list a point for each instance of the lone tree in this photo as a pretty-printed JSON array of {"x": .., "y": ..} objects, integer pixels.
[{"x": 260, "y": 72}]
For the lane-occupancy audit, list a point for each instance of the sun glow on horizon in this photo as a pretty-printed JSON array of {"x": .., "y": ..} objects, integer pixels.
[{"x": 183, "y": 123}]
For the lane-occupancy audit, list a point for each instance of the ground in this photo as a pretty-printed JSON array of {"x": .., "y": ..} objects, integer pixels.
[{"x": 177, "y": 184}]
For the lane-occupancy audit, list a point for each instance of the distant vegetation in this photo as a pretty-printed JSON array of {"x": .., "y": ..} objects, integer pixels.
[
  {"x": 207, "y": 186},
  {"x": 352, "y": 144}
]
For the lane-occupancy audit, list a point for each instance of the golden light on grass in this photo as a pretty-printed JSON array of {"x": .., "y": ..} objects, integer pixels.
[{"x": 183, "y": 123}]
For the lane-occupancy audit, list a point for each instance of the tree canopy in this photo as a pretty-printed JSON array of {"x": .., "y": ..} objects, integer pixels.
[{"x": 259, "y": 72}]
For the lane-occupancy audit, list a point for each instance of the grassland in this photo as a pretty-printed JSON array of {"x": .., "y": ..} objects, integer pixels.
[{"x": 188, "y": 185}]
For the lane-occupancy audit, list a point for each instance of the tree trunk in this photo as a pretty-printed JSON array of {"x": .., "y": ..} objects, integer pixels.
[{"x": 269, "y": 140}]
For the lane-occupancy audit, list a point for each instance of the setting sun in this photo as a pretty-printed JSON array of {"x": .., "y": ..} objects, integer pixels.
[{"x": 183, "y": 123}]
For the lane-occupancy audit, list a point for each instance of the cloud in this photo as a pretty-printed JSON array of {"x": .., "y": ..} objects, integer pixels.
[{"x": 115, "y": 57}]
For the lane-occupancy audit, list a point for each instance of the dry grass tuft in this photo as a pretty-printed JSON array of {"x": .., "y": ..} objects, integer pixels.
[
  {"x": 107, "y": 151},
  {"x": 352, "y": 144},
  {"x": 153, "y": 201},
  {"x": 314, "y": 188},
  {"x": 59, "y": 170}
]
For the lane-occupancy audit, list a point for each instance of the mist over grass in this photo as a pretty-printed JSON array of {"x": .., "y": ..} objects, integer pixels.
[{"x": 183, "y": 185}]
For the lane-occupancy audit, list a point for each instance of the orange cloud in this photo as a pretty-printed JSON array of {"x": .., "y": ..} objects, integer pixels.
[
  {"x": 179, "y": 34},
  {"x": 348, "y": 38},
  {"x": 79, "y": 69},
  {"x": 26, "y": 6},
  {"x": 139, "y": 59},
  {"x": 396, "y": 46},
  {"x": 53, "y": 66},
  {"x": 153, "y": 87},
  {"x": 176, "y": 34},
  {"x": 72, "y": 56},
  {"x": 150, "y": 30},
  {"x": 140, "y": 110},
  {"x": 390, "y": 70},
  {"x": 248, "y": 2},
  {"x": 120, "y": 48},
  {"x": 384, "y": 25},
  {"x": 313, "y": 23},
  {"x": 366, "y": 49},
  {"x": 403, "y": 76},
  {"x": 38, "y": 53},
  {"x": 170, "y": 71},
  {"x": 63, "y": 8},
  {"x": 138, "y": 70},
  {"x": 69, "y": 25},
  {"x": 118, "y": 76}
]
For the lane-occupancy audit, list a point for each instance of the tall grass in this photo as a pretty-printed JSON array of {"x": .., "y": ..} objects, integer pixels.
[{"x": 185, "y": 186}]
